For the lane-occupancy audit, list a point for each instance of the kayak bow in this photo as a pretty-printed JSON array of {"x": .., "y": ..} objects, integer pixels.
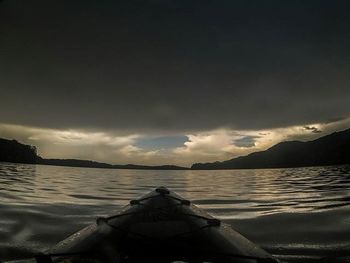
[{"x": 159, "y": 227}]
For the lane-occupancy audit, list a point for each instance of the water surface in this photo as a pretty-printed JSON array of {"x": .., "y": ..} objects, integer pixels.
[{"x": 299, "y": 215}]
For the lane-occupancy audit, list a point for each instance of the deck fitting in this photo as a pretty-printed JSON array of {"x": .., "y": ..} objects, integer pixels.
[{"x": 162, "y": 190}]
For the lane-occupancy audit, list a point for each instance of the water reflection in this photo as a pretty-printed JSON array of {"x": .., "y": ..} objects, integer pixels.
[
  {"x": 295, "y": 212},
  {"x": 16, "y": 181},
  {"x": 232, "y": 193}
]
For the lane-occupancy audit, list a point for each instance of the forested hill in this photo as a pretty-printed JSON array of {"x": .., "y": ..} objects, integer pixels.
[
  {"x": 332, "y": 149},
  {"x": 13, "y": 151}
]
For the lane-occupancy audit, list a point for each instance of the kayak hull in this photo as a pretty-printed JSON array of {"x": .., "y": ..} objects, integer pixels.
[{"x": 160, "y": 227}]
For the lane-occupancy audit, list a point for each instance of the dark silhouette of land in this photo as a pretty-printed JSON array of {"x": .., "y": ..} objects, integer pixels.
[
  {"x": 93, "y": 164},
  {"x": 332, "y": 149},
  {"x": 15, "y": 152}
]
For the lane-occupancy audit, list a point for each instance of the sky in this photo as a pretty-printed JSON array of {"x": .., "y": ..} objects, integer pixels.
[{"x": 171, "y": 82}]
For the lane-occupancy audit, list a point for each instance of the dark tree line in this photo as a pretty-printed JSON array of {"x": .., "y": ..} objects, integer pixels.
[{"x": 13, "y": 151}]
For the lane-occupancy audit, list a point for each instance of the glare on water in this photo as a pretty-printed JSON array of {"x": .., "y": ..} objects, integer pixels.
[{"x": 299, "y": 214}]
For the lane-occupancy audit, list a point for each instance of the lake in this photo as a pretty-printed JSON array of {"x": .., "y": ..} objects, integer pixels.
[{"x": 298, "y": 215}]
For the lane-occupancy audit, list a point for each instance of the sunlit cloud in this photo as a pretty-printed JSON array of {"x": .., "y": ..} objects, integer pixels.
[
  {"x": 180, "y": 149},
  {"x": 218, "y": 145},
  {"x": 246, "y": 141},
  {"x": 134, "y": 151},
  {"x": 82, "y": 138}
]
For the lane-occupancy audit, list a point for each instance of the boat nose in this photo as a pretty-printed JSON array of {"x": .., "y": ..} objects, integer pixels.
[{"x": 162, "y": 190}]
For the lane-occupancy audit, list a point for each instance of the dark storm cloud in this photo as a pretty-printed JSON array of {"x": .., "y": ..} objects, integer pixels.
[{"x": 173, "y": 65}]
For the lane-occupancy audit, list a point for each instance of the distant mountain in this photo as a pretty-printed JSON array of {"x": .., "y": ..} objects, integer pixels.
[
  {"x": 93, "y": 164},
  {"x": 146, "y": 167},
  {"x": 73, "y": 163},
  {"x": 332, "y": 149},
  {"x": 15, "y": 152}
]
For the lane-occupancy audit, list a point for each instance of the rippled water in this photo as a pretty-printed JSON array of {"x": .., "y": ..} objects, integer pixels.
[{"x": 299, "y": 215}]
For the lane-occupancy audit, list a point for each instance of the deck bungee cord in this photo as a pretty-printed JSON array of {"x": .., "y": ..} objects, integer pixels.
[{"x": 159, "y": 227}]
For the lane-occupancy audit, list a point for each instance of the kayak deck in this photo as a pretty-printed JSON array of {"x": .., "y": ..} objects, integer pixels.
[{"x": 159, "y": 227}]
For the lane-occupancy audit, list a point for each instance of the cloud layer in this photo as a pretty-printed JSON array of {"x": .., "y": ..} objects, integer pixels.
[
  {"x": 173, "y": 66},
  {"x": 155, "y": 82},
  {"x": 207, "y": 146}
]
